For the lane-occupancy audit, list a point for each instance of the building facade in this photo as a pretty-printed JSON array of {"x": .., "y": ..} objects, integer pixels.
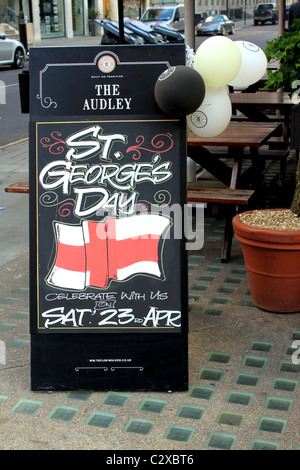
[
  {"x": 67, "y": 18},
  {"x": 62, "y": 18}
]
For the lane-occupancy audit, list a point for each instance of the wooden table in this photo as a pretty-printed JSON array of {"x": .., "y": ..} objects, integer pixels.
[
  {"x": 236, "y": 137},
  {"x": 253, "y": 106}
]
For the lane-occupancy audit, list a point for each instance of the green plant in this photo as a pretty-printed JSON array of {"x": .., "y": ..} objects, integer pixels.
[
  {"x": 93, "y": 13},
  {"x": 285, "y": 49}
]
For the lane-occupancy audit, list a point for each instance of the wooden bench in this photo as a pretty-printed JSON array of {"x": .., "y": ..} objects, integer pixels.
[
  {"x": 278, "y": 143},
  {"x": 19, "y": 187},
  {"x": 265, "y": 154},
  {"x": 269, "y": 117},
  {"x": 231, "y": 198}
]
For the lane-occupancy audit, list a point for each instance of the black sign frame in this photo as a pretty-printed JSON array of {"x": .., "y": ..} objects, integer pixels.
[{"x": 124, "y": 339}]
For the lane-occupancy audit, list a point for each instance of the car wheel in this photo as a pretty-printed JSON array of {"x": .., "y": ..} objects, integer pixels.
[
  {"x": 232, "y": 30},
  {"x": 255, "y": 23},
  {"x": 19, "y": 59},
  {"x": 222, "y": 31}
]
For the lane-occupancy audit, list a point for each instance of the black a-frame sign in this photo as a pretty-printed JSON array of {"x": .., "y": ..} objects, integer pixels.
[{"x": 107, "y": 185}]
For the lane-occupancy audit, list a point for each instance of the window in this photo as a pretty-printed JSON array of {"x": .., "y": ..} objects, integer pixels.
[
  {"x": 77, "y": 17},
  {"x": 52, "y": 18}
]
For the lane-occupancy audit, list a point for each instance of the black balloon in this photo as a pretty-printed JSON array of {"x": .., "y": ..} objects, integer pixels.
[{"x": 179, "y": 91}]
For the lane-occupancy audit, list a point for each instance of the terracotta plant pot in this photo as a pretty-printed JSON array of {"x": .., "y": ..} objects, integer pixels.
[{"x": 272, "y": 259}]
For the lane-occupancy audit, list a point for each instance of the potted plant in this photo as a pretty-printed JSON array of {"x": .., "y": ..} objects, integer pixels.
[
  {"x": 93, "y": 15},
  {"x": 270, "y": 239}
]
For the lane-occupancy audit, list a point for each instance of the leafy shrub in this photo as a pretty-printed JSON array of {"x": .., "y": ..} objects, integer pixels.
[{"x": 285, "y": 49}]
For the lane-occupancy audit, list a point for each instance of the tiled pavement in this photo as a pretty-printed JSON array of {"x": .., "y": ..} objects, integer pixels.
[{"x": 243, "y": 385}]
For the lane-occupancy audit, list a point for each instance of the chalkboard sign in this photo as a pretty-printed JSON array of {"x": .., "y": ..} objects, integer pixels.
[
  {"x": 107, "y": 189},
  {"x": 98, "y": 81}
]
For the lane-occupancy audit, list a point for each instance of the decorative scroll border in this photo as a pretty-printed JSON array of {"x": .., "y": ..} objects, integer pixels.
[{"x": 47, "y": 102}]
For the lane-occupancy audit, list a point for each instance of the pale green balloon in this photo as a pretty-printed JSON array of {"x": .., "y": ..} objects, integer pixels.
[{"x": 218, "y": 60}]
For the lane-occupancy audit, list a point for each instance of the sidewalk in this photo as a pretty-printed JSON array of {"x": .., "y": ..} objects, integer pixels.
[{"x": 243, "y": 387}]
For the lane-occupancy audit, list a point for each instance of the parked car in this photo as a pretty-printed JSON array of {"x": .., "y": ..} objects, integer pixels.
[
  {"x": 12, "y": 52},
  {"x": 219, "y": 24},
  {"x": 265, "y": 12},
  {"x": 171, "y": 16}
]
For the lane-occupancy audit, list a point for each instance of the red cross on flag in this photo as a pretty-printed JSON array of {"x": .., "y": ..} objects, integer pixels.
[{"x": 94, "y": 253}]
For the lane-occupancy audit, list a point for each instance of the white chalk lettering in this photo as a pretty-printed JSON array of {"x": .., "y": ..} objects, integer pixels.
[
  {"x": 103, "y": 144},
  {"x": 121, "y": 177},
  {"x": 124, "y": 315},
  {"x": 155, "y": 316},
  {"x": 133, "y": 296},
  {"x": 159, "y": 295},
  {"x": 100, "y": 296},
  {"x": 72, "y": 318},
  {"x": 110, "y": 317},
  {"x": 118, "y": 203}
]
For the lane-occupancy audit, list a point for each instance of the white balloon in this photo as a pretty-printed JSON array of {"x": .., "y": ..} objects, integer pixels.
[
  {"x": 218, "y": 60},
  {"x": 253, "y": 67},
  {"x": 214, "y": 114}
]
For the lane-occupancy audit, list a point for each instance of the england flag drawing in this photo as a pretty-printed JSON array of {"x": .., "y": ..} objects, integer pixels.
[{"x": 95, "y": 253}]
